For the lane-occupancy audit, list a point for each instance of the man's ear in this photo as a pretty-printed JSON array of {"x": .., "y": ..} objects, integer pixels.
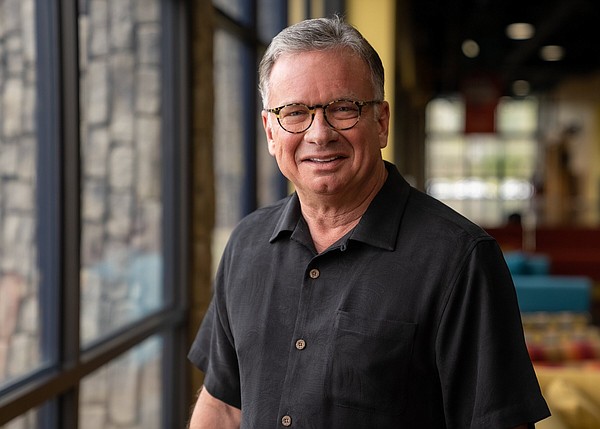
[
  {"x": 268, "y": 126},
  {"x": 383, "y": 119}
]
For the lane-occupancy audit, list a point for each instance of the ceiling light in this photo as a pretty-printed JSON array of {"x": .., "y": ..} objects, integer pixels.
[
  {"x": 520, "y": 31},
  {"x": 470, "y": 48},
  {"x": 552, "y": 53},
  {"x": 521, "y": 88}
]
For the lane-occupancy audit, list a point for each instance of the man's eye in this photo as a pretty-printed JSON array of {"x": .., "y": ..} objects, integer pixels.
[
  {"x": 343, "y": 107},
  {"x": 293, "y": 113}
]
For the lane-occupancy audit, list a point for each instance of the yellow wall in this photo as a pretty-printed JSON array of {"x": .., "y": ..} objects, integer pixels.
[
  {"x": 297, "y": 9},
  {"x": 375, "y": 19}
]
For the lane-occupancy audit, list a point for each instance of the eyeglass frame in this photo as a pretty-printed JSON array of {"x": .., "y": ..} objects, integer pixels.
[{"x": 313, "y": 111}]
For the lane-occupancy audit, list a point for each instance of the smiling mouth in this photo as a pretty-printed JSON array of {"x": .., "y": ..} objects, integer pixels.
[{"x": 324, "y": 160}]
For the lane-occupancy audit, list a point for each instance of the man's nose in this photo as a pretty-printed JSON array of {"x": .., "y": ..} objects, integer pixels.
[{"x": 320, "y": 132}]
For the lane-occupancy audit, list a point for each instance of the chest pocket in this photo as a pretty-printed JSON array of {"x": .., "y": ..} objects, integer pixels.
[{"x": 369, "y": 363}]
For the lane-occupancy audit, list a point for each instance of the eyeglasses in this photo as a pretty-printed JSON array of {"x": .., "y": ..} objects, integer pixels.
[{"x": 341, "y": 115}]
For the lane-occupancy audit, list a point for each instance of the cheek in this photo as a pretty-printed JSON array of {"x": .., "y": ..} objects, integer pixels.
[{"x": 283, "y": 146}]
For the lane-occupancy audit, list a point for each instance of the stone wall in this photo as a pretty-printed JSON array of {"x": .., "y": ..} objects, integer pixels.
[
  {"x": 121, "y": 248},
  {"x": 19, "y": 327},
  {"x": 121, "y": 168}
]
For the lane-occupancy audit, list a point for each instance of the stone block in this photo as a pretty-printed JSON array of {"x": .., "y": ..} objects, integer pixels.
[
  {"x": 21, "y": 354},
  {"x": 122, "y": 73},
  {"x": 8, "y": 159},
  {"x": 147, "y": 95},
  {"x": 99, "y": 30},
  {"x": 121, "y": 24},
  {"x": 96, "y": 93},
  {"x": 12, "y": 113},
  {"x": 10, "y": 16},
  {"x": 29, "y": 316},
  {"x": 147, "y": 11},
  {"x": 148, "y": 44},
  {"x": 121, "y": 168},
  {"x": 28, "y": 32},
  {"x": 18, "y": 235},
  {"x": 124, "y": 392},
  {"x": 95, "y": 196},
  {"x": 95, "y": 153},
  {"x": 94, "y": 416},
  {"x": 19, "y": 196}
]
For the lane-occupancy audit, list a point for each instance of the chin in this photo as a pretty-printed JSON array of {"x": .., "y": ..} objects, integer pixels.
[{"x": 325, "y": 189}]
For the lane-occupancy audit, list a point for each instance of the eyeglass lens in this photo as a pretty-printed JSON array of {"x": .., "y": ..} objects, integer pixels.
[{"x": 340, "y": 115}]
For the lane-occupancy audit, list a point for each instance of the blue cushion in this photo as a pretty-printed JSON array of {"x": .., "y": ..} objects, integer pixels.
[
  {"x": 525, "y": 263},
  {"x": 538, "y": 264},
  {"x": 516, "y": 261},
  {"x": 553, "y": 293}
]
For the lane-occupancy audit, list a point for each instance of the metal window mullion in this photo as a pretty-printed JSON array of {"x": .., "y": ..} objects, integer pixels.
[
  {"x": 48, "y": 201},
  {"x": 70, "y": 201},
  {"x": 175, "y": 194}
]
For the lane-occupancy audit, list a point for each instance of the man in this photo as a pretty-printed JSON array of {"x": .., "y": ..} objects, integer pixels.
[{"x": 356, "y": 302}]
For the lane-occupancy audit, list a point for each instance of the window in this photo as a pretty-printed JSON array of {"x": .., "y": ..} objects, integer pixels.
[
  {"x": 486, "y": 177},
  {"x": 93, "y": 213},
  {"x": 126, "y": 393},
  {"x": 246, "y": 176},
  {"x": 121, "y": 172},
  {"x": 20, "y": 346}
]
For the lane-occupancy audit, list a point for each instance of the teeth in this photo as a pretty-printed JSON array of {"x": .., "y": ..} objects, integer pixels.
[{"x": 323, "y": 160}]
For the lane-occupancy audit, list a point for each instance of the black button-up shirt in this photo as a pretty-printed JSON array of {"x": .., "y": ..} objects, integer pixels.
[{"x": 409, "y": 321}]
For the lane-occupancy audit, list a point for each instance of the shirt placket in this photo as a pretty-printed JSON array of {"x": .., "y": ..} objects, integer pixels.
[{"x": 290, "y": 413}]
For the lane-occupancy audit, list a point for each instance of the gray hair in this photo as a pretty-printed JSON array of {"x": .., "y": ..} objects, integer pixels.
[{"x": 320, "y": 34}]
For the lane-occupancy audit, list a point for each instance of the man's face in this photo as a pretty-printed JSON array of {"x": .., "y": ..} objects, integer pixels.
[{"x": 323, "y": 161}]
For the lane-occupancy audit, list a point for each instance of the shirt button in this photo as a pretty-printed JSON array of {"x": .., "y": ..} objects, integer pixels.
[
  {"x": 314, "y": 273},
  {"x": 300, "y": 344},
  {"x": 286, "y": 421}
]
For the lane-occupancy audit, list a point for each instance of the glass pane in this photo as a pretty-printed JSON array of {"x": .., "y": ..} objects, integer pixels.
[
  {"x": 19, "y": 289},
  {"x": 445, "y": 116},
  {"x": 270, "y": 19},
  {"x": 484, "y": 177},
  {"x": 517, "y": 115},
  {"x": 228, "y": 136},
  {"x": 445, "y": 157},
  {"x": 126, "y": 393},
  {"x": 237, "y": 9},
  {"x": 521, "y": 156},
  {"x": 121, "y": 273},
  {"x": 485, "y": 156}
]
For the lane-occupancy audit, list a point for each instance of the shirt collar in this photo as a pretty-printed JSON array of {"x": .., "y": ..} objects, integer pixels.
[
  {"x": 379, "y": 225},
  {"x": 288, "y": 220}
]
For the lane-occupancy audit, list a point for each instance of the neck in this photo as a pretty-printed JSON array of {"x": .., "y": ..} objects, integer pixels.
[{"x": 331, "y": 217}]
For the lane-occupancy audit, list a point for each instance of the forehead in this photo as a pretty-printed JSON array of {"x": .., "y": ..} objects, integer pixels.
[{"x": 318, "y": 77}]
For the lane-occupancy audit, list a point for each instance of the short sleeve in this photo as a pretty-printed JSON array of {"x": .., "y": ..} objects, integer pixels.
[
  {"x": 200, "y": 350},
  {"x": 486, "y": 375},
  {"x": 213, "y": 352}
]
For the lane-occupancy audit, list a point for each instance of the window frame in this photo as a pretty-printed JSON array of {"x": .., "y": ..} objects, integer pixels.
[
  {"x": 501, "y": 140},
  {"x": 247, "y": 33},
  {"x": 53, "y": 389}
]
